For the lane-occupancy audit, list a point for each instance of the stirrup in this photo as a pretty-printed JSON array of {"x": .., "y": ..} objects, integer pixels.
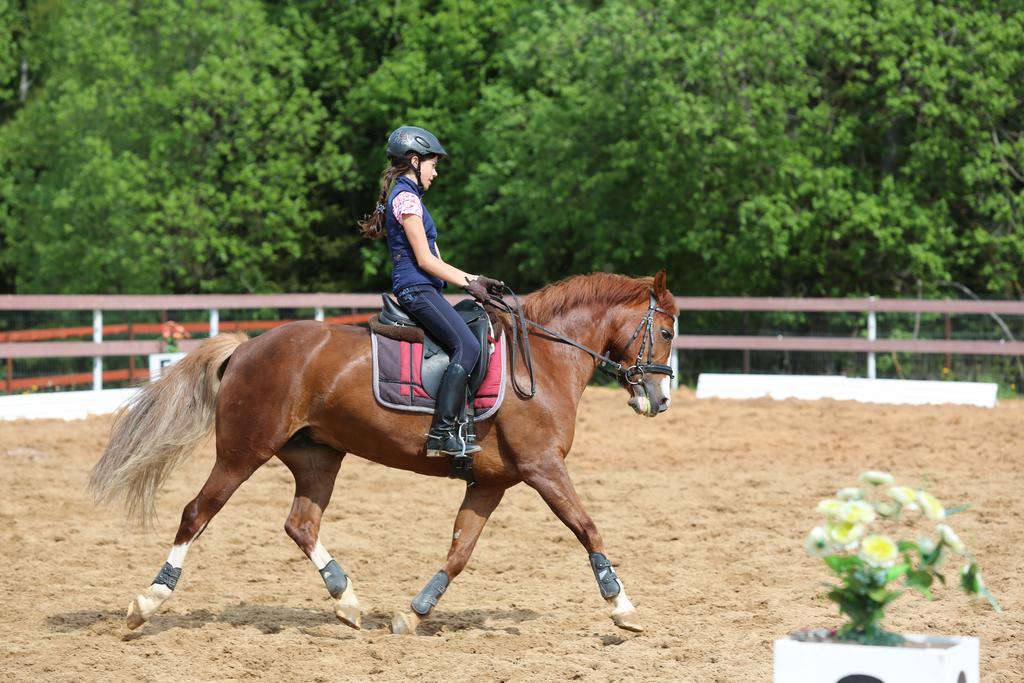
[
  {"x": 451, "y": 444},
  {"x": 461, "y": 467}
]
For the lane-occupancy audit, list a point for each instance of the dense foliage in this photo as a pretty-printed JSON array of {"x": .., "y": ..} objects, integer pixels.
[{"x": 812, "y": 147}]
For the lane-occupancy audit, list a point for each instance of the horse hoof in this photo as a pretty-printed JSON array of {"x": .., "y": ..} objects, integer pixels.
[
  {"x": 134, "y": 618},
  {"x": 145, "y": 605},
  {"x": 624, "y": 613},
  {"x": 629, "y": 621},
  {"x": 404, "y": 623},
  {"x": 347, "y": 609},
  {"x": 350, "y": 615}
]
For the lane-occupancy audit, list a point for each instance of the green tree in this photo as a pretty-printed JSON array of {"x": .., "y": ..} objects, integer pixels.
[
  {"x": 777, "y": 147},
  {"x": 784, "y": 148},
  {"x": 171, "y": 147}
]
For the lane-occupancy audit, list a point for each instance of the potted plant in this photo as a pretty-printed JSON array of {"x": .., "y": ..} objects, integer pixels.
[
  {"x": 857, "y": 542},
  {"x": 170, "y": 334}
]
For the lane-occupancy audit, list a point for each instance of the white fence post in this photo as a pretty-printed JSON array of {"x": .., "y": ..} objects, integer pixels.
[
  {"x": 214, "y": 322},
  {"x": 872, "y": 335},
  {"x": 318, "y": 313},
  {"x": 97, "y": 361}
]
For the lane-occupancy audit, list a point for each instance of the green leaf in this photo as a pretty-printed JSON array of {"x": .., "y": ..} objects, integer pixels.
[
  {"x": 991, "y": 600},
  {"x": 896, "y": 571},
  {"x": 842, "y": 563},
  {"x": 969, "y": 580},
  {"x": 923, "y": 590},
  {"x": 879, "y": 595},
  {"x": 919, "y": 578}
]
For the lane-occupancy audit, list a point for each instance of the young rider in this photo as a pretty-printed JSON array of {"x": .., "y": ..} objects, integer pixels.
[{"x": 419, "y": 274}]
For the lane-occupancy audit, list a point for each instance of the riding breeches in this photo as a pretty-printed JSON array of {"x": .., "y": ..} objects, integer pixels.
[{"x": 427, "y": 307}]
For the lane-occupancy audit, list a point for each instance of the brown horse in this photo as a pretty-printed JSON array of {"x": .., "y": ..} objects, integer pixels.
[{"x": 302, "y": 392}]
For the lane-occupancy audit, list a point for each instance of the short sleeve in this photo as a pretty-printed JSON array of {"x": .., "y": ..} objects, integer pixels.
[{"x": 406, "y": 203}]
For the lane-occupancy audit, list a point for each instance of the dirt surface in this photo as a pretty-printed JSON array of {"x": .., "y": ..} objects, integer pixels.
[{"x": 703, "y": 510}]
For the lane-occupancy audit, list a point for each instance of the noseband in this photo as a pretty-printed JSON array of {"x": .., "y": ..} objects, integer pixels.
[{"x": 632, "y": 375}]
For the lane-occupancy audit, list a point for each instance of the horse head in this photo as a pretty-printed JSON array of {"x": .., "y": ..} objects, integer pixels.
[{"x": 649, "y": 326}]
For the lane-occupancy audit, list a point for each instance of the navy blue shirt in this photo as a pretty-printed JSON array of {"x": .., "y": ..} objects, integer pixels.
[{"x": 405, "y": 271}]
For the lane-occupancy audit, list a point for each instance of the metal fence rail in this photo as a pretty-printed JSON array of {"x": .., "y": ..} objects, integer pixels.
[
  {"x": 97, "y": 303},
  {"x": 98, "y": 348},
  {"x": 870, "y": 307},
  {"x": 863, "y": 305}
]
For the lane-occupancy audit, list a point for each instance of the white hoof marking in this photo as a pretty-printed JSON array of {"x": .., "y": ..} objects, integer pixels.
[
  {"x": 146, "y": 604},
  {"x": 347, "y": 609},
  {"x": 405, "y": 623},
  {"x": 624, "y": 614}
]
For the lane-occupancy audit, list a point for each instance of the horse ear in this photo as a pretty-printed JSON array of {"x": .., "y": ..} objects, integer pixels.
[{"x": 659, "y": 283}]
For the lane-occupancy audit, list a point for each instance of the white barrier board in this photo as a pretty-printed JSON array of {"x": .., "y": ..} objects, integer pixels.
[
  {"x": 76, "y": 405},
  {"x": 814, "y": 387},
  {"x": 159, "y": 361},
  {"x": 62, "y": 405}
]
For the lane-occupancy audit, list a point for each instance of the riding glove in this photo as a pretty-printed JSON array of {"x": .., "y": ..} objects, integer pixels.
[
  {"x": 477, "y": 290},
  {"x": 495, "y": 287}
]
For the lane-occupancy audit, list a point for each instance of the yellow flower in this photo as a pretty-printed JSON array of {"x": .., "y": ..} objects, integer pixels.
[
  {"x": 856, "y": 512},
  {"x": 904, "y": 495},
  {"x": 879, "y": 551},
  {"x": 849, "y": 493},
  {"x": 950, "y": 538},
  {"x": 931, "y": 506},
  {"x": 887, "y": 509},
  {"x": 876, "y": 478},
  {"x": 829, "y": 507},
  {"x": 844, "y": 535},
  {"x": 817, "y": 542}
]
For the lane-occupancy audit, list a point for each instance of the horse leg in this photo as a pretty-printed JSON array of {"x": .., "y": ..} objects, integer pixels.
[
  {"x": 315, "y": 468},
  {"x": 221, "y": 484},
  {"x": 548, "y": 476},
  {"x": 476, "y": 508}
]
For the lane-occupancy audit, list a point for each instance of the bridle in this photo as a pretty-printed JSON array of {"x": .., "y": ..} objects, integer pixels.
[
  {"x": 632, "y": 375},
  {"x": 635, "y": 373}
]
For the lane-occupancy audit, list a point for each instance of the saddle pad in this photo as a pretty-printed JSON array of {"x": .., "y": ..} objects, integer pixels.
[{"x": 396, "y": 378}]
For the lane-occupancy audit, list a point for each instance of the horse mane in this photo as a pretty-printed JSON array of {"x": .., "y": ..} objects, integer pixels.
[{"x": 595, "y": 289}]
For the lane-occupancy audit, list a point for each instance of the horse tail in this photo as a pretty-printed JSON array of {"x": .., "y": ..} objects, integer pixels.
[{"x": 160, "y": 427}]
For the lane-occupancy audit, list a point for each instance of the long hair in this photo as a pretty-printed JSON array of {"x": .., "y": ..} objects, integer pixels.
[
  {"x": 160, "y": 428},
  {"x": 373, "y": 224}
]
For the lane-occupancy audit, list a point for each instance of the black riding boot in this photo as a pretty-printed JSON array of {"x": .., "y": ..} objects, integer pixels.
[{"x": 448, "y": 435}]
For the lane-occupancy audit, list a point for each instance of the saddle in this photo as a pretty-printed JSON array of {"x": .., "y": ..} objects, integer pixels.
[{"x": 394, "y": 323}]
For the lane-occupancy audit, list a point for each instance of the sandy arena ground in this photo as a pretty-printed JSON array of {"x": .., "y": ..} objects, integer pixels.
[{"x": 703, "y": 510}]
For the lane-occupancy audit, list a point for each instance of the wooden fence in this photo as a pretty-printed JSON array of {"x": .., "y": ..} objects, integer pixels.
[{"x": 25, "y": 344}]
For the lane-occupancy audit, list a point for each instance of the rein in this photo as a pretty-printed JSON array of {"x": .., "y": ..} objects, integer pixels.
[{"x": 632, "y": 375}]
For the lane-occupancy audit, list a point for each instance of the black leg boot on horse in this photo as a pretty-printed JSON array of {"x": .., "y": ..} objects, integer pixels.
[{"x": 450, "y": 435}]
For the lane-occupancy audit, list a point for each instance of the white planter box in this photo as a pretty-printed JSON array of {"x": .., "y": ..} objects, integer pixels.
[{"x": 810, "y": 662}]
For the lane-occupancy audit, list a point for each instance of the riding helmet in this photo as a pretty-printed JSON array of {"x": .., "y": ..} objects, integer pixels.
[{"x": 406, "y": 140}]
